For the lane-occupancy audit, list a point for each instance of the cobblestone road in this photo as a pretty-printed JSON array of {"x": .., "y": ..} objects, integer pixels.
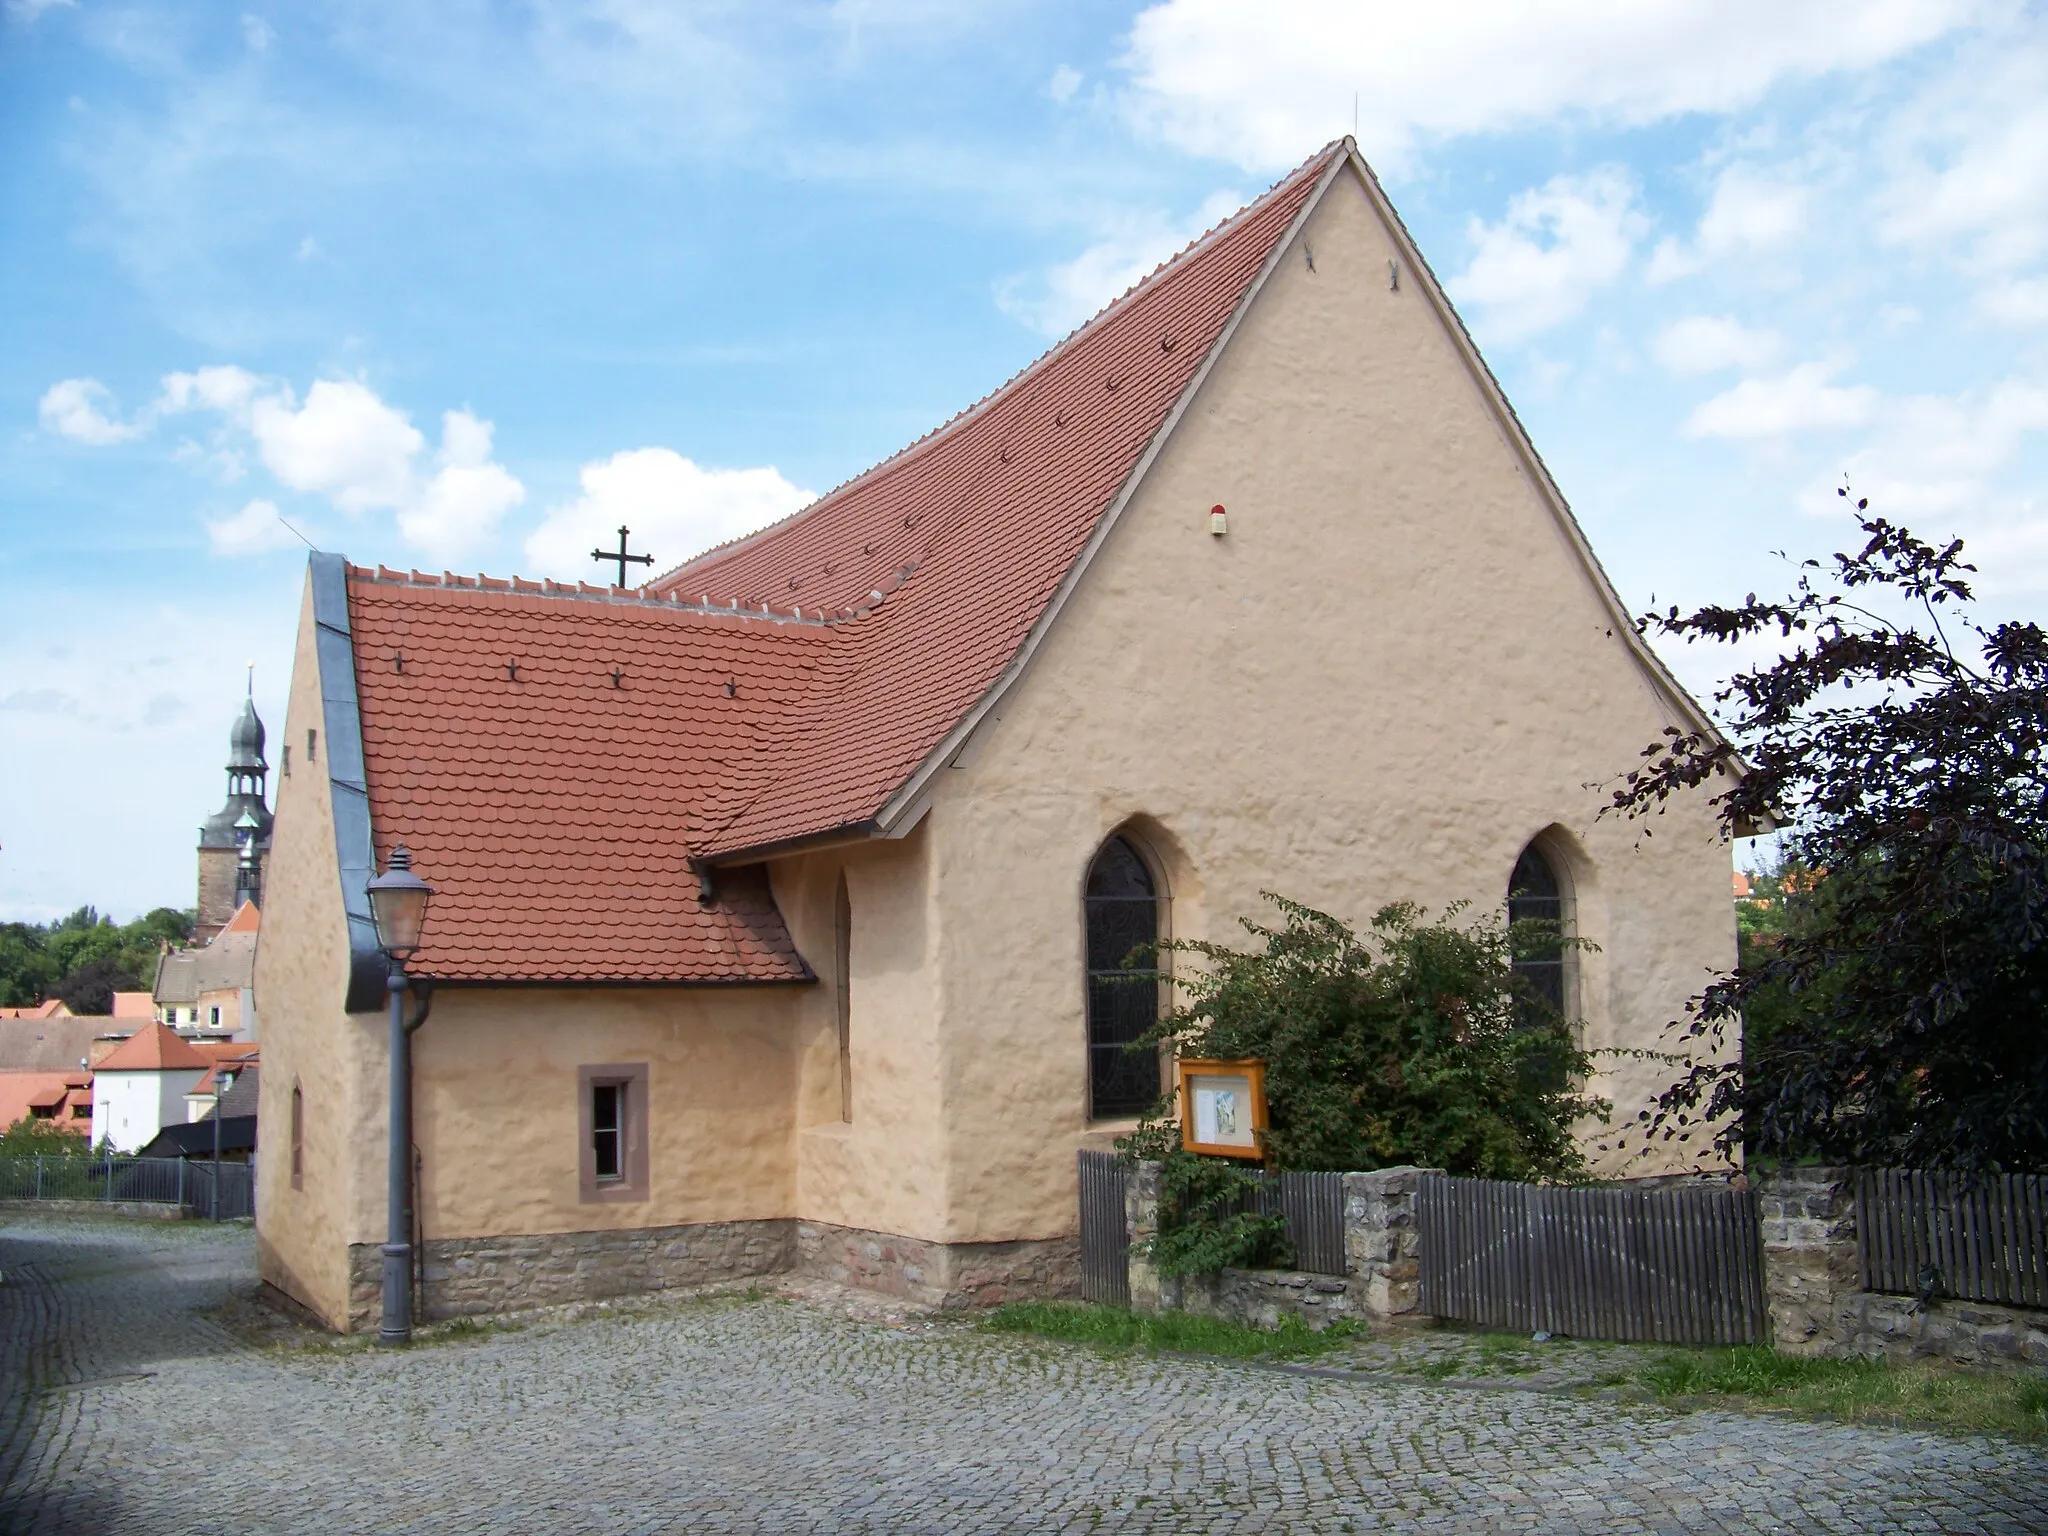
[{"x": 123, "y": 1410}]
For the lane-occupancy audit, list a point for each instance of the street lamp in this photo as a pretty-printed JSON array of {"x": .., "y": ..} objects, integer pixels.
[
  {"x": 398, "y": 903},
  {"x": 222, "y": 1082}
]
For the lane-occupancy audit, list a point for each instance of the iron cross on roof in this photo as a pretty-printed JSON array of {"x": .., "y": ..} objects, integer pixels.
[{"x": 621, "y": 556}]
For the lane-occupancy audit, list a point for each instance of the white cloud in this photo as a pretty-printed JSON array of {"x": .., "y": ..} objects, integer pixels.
[
  {"x": 29, "y": 10},
  {"x": 1125, "y": 250},
  {"x": 1064, "y": 82},
  {"x": 256, "y": 529},
  {"x": 1751, "y": 210},
  {"x": 343, "y": 443},
  {"x": 1799, "y": 401},
  {"x": 1941, "y": 464},
  {"x": 459, "y": 508},
  {"x": 1556, "y": 244},
  {"x": 1263, "y": 84},
  {"x": 2024, "y": 302},
  {"x": 81, "y": 409},
  {"x": 675, "y": 508},
  {"x": 227, "y": 390},
  {"x": 257, "y": 33},
  {"x": 1970, "y": 157},
  {"x": 1708, "y": 343}
]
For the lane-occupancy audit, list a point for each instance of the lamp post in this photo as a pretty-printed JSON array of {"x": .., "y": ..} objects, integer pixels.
[
  {"x": 222, "y": 1082},
  {"x": 398, "y": 903}
]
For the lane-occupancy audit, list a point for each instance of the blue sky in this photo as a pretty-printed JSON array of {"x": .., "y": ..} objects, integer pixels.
[{"x": 468, "y": 284}]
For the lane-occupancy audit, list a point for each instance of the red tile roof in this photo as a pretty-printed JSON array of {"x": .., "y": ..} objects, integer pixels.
[
  {"x": 558, "y": 759},
  {"x": 58, "y": 1094},
  {"x": 548, "y": 760},
  {"x": 154, "y": 1048},
  {"x": 248, "y": 918}
]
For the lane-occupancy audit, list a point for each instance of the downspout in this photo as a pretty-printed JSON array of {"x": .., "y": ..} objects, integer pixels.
[{"x": 423, "y": 990}]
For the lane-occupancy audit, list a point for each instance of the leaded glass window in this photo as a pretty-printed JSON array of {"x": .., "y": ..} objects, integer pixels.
[
  {"x": 1535, "y": 893},
  {"x": 1122, "y": 906}
]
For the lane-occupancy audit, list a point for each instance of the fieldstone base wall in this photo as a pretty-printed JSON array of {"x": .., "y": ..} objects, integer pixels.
[
  {"x": 939, "y": 1274},
  {"x": 471, "y": 1276},
  {"x": 1382, "y": 1261},
  {"x": 1263, "y": 1298},
  {"x": 1967, "y": 1332},
  {"x": 468, "y": 1276},
  {"x": 1813, "y": 1282}
]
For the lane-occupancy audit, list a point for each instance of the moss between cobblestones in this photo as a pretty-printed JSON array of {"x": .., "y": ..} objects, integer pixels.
[
  {"x": 1115, "y": 1328},
  {"x": 1927, "y": 1394}
]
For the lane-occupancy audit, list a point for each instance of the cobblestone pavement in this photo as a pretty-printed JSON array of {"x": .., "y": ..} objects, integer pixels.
[{"x": 123, "y": 1410}]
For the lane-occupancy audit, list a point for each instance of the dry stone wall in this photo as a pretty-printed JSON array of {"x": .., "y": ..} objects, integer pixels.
[{"x": 1813, "y": 1283}]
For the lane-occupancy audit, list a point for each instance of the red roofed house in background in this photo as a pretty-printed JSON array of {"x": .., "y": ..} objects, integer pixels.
[
  {"x": 140, "y": 1087},
  {"x": 769, "y": 893}
]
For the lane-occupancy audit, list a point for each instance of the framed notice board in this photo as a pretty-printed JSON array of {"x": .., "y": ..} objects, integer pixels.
[{"x": 1223, "y": 1107}]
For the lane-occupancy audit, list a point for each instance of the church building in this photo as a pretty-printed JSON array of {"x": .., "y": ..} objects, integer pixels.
[{"x": 771, "y": 895}]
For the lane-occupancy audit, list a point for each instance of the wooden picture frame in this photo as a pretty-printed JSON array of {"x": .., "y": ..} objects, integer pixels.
[{"x": 1222, "y": 1107}]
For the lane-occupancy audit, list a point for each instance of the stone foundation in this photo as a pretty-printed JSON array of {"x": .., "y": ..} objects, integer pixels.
[
  {"x": 469, "y": 1276},
  {"x": 1813, "y": 1282},
  {"x": 1382, "y": 1261},
  {"x": 472, "y": 1276},
  {"x": 1264, "y": 1298},
  {"x": 933, "y": 1274}
]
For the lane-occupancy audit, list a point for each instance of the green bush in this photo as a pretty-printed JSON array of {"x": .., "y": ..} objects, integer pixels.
[{"x": 1414, "y": 1043}]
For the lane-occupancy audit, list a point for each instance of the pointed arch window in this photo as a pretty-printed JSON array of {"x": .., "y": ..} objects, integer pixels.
[
  {"x": 1536, "y": 892},
  {"x": 1122, "y": 909}
]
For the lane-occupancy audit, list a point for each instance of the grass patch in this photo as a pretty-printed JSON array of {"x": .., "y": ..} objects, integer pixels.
[
  {"x": 1856, "y": 1391},
  {"x": 1114, "y": 1328}
]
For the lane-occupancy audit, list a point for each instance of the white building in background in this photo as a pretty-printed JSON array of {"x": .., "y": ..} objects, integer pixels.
[{"x": 140, "y": 1088}]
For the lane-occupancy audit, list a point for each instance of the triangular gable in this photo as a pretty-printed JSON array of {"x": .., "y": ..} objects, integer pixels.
[
  {"x": 946, "y": 559},
  {"x": 952, "y": 560}
]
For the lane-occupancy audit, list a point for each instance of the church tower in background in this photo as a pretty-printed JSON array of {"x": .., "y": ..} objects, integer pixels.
[{"x": 234, "y": 842}]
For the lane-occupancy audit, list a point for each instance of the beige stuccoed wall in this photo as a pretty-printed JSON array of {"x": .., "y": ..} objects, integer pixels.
[
  {"x": 1390, "y": 674},
  {"x": 885, "y": 1170},
  {"x": 496, "y": 1102},
  {"x": 302, "y": 1235},
  {"x": 743, "y": 1092}
]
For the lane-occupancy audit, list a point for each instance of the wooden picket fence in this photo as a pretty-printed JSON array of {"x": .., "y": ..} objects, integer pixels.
[
  {"x": 1105, "y": 1237},
  {"x": 1926, "y": 1234},
  {"x": 1679, "y": 1265}
]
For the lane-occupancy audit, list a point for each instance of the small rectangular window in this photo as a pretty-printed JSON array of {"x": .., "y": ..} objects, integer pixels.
[
  {"x": 312, "y": 744},
  {"x": 213, "y": 1017},
  {"x": 285, "y": 765},
  {"x": 612, "y": 1126},
  {"x": 298, "y": 1138},
  {"x": 608, "y": 1130}
]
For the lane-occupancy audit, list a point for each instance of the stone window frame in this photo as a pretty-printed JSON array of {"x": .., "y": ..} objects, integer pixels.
[{"x": 633, "y": 1185}]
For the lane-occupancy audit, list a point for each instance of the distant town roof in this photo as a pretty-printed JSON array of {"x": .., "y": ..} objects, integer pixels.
[
  {"x": 49, "y": 1096},
  {"x": 225, "y": 964},
  {"x": 52, "y": 1042},
  {"x": 155, "y": 1048}
]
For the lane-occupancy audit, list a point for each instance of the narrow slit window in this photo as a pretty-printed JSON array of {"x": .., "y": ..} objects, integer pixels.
[
  {"x": 608, "y": 1131},
  {"x": 1535, "y": 894},
  {"x": 298, "y": 1137}
]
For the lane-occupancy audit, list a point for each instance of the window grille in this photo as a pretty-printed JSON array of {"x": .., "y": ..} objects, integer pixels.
[
  {"x": 1122, "y": 908},
  {"x": 608, "y": 1130},
  {"x": 1536, "y": 894}
]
